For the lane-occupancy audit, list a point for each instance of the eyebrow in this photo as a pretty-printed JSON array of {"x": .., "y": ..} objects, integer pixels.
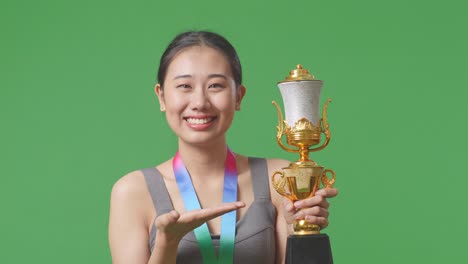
[
  {"x": 182, "y": 76},
  {"x": 214, "y": 75},
  {"x": 217, "y": 75}
]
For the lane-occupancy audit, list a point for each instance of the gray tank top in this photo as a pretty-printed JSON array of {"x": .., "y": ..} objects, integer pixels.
[{"x": 255, "y": 231}]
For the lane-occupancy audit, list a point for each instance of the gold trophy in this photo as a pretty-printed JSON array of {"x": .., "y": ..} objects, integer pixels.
[{"x": 303, "y": 128}]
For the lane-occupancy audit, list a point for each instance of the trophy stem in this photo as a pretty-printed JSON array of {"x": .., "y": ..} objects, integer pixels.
[{"x": 304, "y": 153}]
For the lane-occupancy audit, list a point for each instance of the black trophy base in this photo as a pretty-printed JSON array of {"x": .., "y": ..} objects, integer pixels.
[{"x": 308, "y": 249}]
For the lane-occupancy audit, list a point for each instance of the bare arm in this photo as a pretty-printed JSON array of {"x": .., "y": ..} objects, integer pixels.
[
  {"x": 128, "y": 227},
  {"x": 282, "y": 232},
  {"x": 128, "y": 232}
]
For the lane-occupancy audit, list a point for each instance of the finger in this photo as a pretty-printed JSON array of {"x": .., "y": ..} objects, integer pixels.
[
  {"x": 200, "y": 216},
  {"x": 165, "y": 220},
  {"x": 321, "y": 221},
  {"x": 210, "y": 213},
  {"x": 312, "y": 211},
  {"x": 327, "y": 192},
  {"x": 317, "y": 200},
  {"x": 289, "y": 211}
]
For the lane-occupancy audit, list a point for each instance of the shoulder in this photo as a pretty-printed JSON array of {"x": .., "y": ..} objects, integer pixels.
[
  {"x": 131, "y": 193},
  {"x": 129, "y": 185},
  {"x": 134, "y": 183}
]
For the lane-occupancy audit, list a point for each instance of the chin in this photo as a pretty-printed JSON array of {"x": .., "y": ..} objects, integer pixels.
[{"x": 202, "y": 138}]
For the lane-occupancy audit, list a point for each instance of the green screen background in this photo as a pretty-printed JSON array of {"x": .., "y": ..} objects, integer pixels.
[{"x": 77, "y": 111}]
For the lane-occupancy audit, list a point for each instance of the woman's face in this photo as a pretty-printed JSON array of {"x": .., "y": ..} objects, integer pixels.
[{"x": 199, "y": 95}]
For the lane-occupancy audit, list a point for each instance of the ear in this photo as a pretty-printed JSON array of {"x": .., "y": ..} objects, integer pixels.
[
  {"x": 160, "y": 93},
  {"x": 240, "y": 94}
]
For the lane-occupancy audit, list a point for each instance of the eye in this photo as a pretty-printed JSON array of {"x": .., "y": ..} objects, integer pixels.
[
  {"x": 186, "y": 86},
  {"x": 216, "y": 85}
]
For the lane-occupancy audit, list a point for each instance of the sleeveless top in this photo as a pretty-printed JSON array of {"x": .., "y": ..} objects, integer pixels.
[{"x": 255, "y": 232}]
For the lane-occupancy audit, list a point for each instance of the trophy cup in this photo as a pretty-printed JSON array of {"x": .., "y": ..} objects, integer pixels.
[{"x": 301, "y": 179}]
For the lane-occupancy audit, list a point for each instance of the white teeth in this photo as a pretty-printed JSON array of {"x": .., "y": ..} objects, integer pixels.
[{"x": 198, "y": 121}]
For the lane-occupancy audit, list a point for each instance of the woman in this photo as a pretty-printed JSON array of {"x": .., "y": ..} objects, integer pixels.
[{"x": 200, "y": 88}]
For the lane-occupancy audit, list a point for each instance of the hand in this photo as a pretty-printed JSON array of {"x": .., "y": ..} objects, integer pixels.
[
  {"x": 313, "y": 209},
  {"x": 173, "y": 225}
]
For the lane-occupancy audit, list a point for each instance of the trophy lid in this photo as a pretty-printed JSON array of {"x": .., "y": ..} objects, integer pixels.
[{"x": 299, "y": 74}]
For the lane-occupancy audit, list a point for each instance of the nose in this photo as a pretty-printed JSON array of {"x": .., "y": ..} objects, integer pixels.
[{"x": 199, "y": 100}]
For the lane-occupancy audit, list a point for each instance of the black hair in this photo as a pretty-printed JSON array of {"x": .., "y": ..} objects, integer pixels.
[{"x": 200, "y": 38}]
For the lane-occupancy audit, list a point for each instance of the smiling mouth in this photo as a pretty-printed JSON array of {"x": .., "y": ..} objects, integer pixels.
[{"x": 199, "y": 121}]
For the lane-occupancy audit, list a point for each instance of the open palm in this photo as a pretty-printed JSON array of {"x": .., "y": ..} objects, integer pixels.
[{"x": 175, "y": 225}]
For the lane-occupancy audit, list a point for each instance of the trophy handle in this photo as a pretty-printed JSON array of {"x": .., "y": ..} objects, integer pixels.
[
  {"x": 327, "y": 182},
  {"x": 279, "y": 184},
  {"x": 324, "y": 128},
  {"x": 279, "y": 129}
]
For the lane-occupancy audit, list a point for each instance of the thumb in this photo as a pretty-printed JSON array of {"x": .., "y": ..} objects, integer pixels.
[
  {"x": 288, "y": 206},
  {"x": 165, "y": 220}
]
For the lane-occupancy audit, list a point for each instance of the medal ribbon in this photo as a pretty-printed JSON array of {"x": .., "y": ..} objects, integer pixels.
[{"x": 228, "y": 220}]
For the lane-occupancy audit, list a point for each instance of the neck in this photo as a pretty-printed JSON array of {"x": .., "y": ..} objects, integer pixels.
[{"x": 204, "y": 161}]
